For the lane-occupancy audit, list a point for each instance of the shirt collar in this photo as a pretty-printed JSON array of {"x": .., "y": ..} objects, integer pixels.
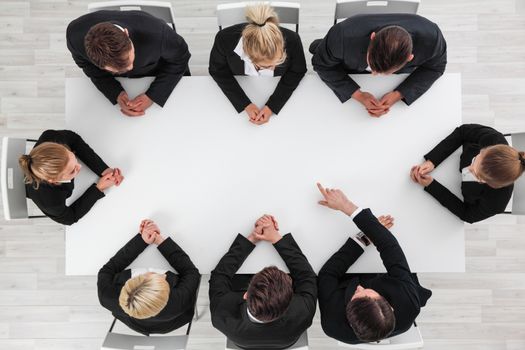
[
  {"x": 249, "y": 67},
  {"x": 251, "y": 317}
]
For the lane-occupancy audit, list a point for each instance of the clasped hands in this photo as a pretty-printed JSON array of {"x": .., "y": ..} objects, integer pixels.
[
  {"x": 377, "y": 108},
  {"x": 266, "y": 228},
  {"x": 110, "y": 177},
  {"x": 133, "y": 108},
  {"x": 257, "y": 116},
  {"x": 150, "y": 232},
  {"x": 421, "y": 173}
]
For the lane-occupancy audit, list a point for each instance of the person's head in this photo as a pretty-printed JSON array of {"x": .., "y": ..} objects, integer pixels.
[
  {"x": 50, "y": 162},
  {"x": 499, "y": 165},
  {"x": 389, "y": 50},
  {"x": 110, "y": 48},
  {"x": 370, "y": 315},
  {"x": 262, "y": 39},
  {"x": 269, "y": 294},
  {"x": 144, "y": 296}
]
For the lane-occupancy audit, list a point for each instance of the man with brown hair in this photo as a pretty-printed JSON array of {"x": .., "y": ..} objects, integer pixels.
[
  {"x": 276, "y": 308},
  {"x": 367, "y": 307},
  {"x": 132, "y": 44},
  {"x": 381, "y": 44}
]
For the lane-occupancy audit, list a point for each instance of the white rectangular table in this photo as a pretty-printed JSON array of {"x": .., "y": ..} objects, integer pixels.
[{"x": 204, "y": 173}]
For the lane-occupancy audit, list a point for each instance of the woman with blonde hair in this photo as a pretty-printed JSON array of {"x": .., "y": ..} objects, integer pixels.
[
  {"x": 147, "y": 300},
  {"x": 50, "y": 169},
  {"x": 489, "y": 167},
  {"x": 259, "y": 47}
]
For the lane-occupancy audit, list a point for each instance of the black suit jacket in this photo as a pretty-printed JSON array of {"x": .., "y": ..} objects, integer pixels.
[
  {"x": 480, "y": 201},
  {"x": 159, "y": 51},
  {"x": 228, "y": 308},
  {"x": 398, "y": 286},
  {"x": 344, "y": 49},
  {"x": 225, "y": 63},
  {"x": 50, "y": 198},
  {"x": 180, "y": 308}
]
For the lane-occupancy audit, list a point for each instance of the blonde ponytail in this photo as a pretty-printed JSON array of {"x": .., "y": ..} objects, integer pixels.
[
  {"x": 262, "y": 37},
  {"x": 46, "y": 161}
]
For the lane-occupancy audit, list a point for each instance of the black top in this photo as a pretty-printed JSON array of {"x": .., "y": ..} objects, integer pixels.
[
  {"x": 344, "y": 49},
  {"x": 228, "y": 308},
  {"x": 480, "y": 201},
  {"x": 225, "y": 63},
  {"x": 159, "y": 51},
  {"x": 50, "y": 198},
  {"x": 398, "y": 286},
  {"x": 183, "y": 287}
]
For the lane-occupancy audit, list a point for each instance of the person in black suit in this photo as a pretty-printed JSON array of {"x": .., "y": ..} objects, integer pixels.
[
  {"x": 276, "y": 308},
  {"x": 489, "y": 167},
  {"x": 50, "y": 169},
  {"x": 366, "y": 308},
  {"x": 381, "y": 44},
  {"x": 257, "y": 48},
  {"x": 149, "y": 302},
  {"x": 130, "y": 44}
]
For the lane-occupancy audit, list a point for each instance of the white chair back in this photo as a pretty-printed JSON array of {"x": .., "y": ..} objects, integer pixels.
[
  {"x": 301, "y": 344},
  {"x": 411, "y": 339},
  {"x": 115, "y": 341},
  {"x": 234, "y": 13},
  {"x": 349, "y": 8},
  {"x": 159, "y": 9},
  {"x": 13, "y": 187},
  {"x": 518, "y": 196}
]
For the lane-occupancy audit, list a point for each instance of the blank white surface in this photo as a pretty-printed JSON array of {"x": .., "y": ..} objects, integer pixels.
[{"x": 204, "y": 173}]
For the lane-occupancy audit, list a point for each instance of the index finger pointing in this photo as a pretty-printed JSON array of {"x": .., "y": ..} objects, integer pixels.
[{"x": 321, "y": 188}]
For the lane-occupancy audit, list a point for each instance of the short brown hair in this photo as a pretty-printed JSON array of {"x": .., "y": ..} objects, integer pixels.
[
  {"x": 389, "y": 49},
  {"x": 107, "y": 45},
  {"x": 371, "y": 319},
  {"x": 501, "y": 165},
  {"x": 269, "y": 294}
]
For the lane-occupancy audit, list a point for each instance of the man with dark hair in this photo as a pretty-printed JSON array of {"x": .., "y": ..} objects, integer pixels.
[
  {"x": 381, "y": 44},
  {"x": 129, "y": 44},
  {"x": 371, "y": 307},
  {"x": 276, "y": 308}
]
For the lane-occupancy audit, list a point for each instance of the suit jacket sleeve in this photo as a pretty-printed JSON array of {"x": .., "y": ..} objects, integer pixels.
[
  {"x": 421, "y": 79},
  {"x": 335, "y": 268},
  {"x": 328, "y": 62},
  {"x": 223, "y": 76},
  {"x": 389, "y": 249},
  {"x": 175, "y": 56},
  {"x": 304, "y": 278},
  {"x": 221, "y": 277},
  {"x": 118, "y": 263},
  {"x": 291, "y": 78},
  {"x": 188, "y": 274}
]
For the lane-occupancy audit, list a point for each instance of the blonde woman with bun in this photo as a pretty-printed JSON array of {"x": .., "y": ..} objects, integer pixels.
[
  {"x": 50, "y": 169},
  {"x": 489, "y": 168},
  {"x": 147, "y": 300},
  {"x": 259, "y": 47}
]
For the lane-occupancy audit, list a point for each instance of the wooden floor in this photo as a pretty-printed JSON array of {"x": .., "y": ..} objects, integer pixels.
[{"x": 40, "y": 308}]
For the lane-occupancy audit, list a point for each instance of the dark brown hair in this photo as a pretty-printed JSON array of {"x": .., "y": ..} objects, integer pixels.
[
  {"x": 107, "y": 45},
  {"x": 371, "y": 319},
  {"x": 501, "y": 165},
  {"x": 389, "y": 49},
  {"x": 269, "y": 294}
]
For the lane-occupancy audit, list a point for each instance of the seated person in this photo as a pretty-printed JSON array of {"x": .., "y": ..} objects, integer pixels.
[
  {"x": 381, "y": 44},
  {"x": 276, "y": 308},
  {"x": 129, "y": 44},
  {"x": 367, "y": 308},
  {"x": 489, "y": 167},
  {"x": 258, "y": 48},
  {"x": 50, "y": 169},
  {"x": 149, "y": 302}
]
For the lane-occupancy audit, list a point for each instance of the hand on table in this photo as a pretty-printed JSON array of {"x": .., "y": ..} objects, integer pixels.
[
  {"x": 117, "y": 174},
  {"x": 336, "y": 199},
  {"x": 372, "y": 105},
  {"x": 416, "y": 176},
  {"x": 252, "y": 110},
  {"x": 386, "y": 220},
  {"x": 266, "y": 229},
  {"x": 263, "y": 116},
  {"x": 389, "y": 99},
  {"x": 106, "y": 181},
  {"x": 150, "y": 232}
]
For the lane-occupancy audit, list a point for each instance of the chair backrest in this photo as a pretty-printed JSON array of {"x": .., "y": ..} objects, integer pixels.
[
  {"x": 159, "y": 9},
  {"x": 300, "y": 344},
  {"x": 234, "y": 13},
  {"x": 518, "y": 197},
  {"x": 115, "y": 341},
  {"x": 349, "y": 8},
  {"x": 13, "y": 186},
  {"x": 411, "y": 339}
]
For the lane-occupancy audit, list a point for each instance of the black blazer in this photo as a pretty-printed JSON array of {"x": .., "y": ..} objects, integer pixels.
[
  {"x": 480, "y": 201},
  {"x": 344, "y": 50},
  {"x": 180, "y": 308},
  {"x": 50, "y": 198},
  {"x": 228, "y": 308},
  {"x": 159, "y": 51},
  {"x": 398, "y": 286},
  {"x": 225, "y": 63}
]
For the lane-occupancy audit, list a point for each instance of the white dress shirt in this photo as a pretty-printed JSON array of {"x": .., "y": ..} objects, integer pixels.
[{"x": 249, "y": 67}]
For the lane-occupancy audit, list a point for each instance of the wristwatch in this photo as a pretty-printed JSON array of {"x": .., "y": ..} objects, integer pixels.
[{"x": 363, "y": 238}]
